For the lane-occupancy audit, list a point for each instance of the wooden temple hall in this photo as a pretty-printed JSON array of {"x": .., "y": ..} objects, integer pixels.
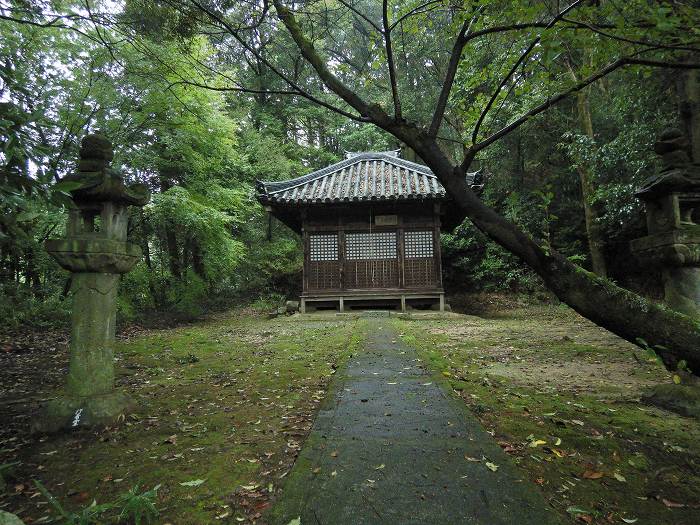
[{"x": 370, "y": 226}]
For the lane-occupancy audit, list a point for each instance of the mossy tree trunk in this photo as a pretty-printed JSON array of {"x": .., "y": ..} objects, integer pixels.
[{"x": 674, "y": 336}]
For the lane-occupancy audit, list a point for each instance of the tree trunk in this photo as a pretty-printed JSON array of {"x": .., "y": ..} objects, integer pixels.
[
  {"x": 195, "y": 251},
  {"x": 173, "y": 253},
  {"x": 176, "y": 267},
  {"x": 585, "y": 173},
  {"x": 689, "y": 95},
  {"x": 146, "y": 250},
  {"x": 674, "y": 336}
]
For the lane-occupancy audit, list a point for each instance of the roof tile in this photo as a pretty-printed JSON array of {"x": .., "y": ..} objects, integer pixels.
[{"x": 362, "y": 176}]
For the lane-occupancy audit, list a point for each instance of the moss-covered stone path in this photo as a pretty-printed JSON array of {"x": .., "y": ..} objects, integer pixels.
[{"x": 390, "y": 446}]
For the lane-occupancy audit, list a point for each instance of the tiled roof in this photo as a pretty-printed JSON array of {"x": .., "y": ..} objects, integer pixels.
[{"x": 372, "y": 176}]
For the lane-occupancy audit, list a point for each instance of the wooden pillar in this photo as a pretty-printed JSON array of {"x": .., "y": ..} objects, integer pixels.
[
  {"x": 302, "y": 306},
  {"x": 341, "y": 304},
  {"x": 442, "y": 302},
  {"x": 436, "y": 245},
  {"x": 306, "y": 248},
  {"x": 403, "y": 303},
  {"x": 341, "y": 251},
  {"x": 401, "y": 255}
]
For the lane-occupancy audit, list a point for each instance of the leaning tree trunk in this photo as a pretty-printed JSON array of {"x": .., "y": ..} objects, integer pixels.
[{"x": 673, "y": 336}]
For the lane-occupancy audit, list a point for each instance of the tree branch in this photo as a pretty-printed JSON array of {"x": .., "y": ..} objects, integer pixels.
[
  {"x": 362, "y": 16},
  {"x": 463, "y": 38},
  {"x": 412, "y": 12},
  {"x": 390, "y": 61},
  {"x": 373, "y": 111},
  {"x": 453, "y": 64},
  {"x": 620, "y": 62},
  {"x": 520, "y": 60},
  {"x": 597, "y": 30},
  {"x": 276, "y": 71}
]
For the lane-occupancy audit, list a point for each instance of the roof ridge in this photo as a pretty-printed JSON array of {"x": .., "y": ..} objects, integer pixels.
[{"x": 278, "y": 186}]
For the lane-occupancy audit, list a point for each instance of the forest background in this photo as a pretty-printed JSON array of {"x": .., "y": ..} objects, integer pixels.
[{"x": 567, "y": 177}]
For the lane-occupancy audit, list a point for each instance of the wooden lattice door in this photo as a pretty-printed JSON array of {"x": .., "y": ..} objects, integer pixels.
[
  {"x": 324, "y": 267},
  {"x": 419, "y": 259},
  {"x": 371, "y": 260}
]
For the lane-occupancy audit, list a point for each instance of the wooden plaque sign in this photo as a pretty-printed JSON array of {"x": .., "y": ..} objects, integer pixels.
[{"x": 386, "y": 220}]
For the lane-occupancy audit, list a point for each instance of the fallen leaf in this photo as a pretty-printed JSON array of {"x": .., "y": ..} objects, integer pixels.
[
  {"x": 619, "y": 477},
  {"x": 577, "y": 422},
  {"x": 295, "y": 521},
  {"x": 557, "y": 442},
  {"x": 491, "y": 466},
  {"x": 672, "y": 504},
  {"x": 677, "y": 379},
  {"x": 81, "y": 497},
  {"x": 469, "y": 458},
  {"x": 379, "y": 467},
  {"x": 629, "y": 520},
  {"x": 592, "y": 474},
  {"x": 172, "y": 440},
  {"x": 334, "y": 454},
  {"x": 537, "y": 443},
  {"x": 193, "y": 483}
]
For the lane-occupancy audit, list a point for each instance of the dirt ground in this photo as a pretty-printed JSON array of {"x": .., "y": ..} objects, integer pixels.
[
  {"x": 224, "y": 405},
  {"x": 563, "y": 398},
  {"x": 230, "y": 401}
]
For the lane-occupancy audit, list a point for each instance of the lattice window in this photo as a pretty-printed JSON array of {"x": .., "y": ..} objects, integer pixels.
[
  {"x": 368, "y": 246},
  {"x": 323, "y": 247},
  {"x": 418, "y": 244}
]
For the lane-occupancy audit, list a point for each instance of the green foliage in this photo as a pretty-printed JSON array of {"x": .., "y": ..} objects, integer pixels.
[
  {"x": 22, "y": 307},
  {"x": 138, "y": 507},
  {"x": 89, "y": 515},
  {"x": 133, "y": 506},
  {"x": 207, "y": 243},
  {"x": 186, "y": 297}
]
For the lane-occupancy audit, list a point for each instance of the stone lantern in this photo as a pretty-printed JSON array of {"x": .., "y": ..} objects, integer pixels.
[
  {"x": 96, "y": 252},
  {"x": 672, "y": 200}
]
